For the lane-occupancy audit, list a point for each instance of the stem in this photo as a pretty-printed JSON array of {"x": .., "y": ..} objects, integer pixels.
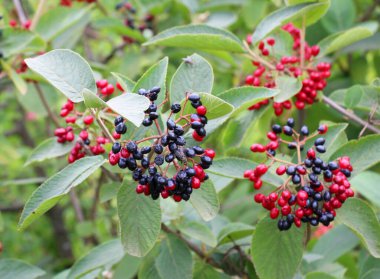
[
  {"x": 38, "y": 14},
  {"x": 148, "y": 138},
  {"x": 158, "y": 127},
  {"x": 76, "y": 205},
  {"x": 102, "y": 125},
  {"x": 256, "y": 57},
  {"x": 350, "y": 115},
  {"x": 20, "y": 11},
  {"x": 52, "y": 116}
]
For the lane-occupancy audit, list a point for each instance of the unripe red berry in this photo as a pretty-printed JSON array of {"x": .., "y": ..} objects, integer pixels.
[
  {"x": 285, "y": 210},
  {"x": 88, "y": 120},
  {"x": 265, "y": 52},
  {"x": 60, "y": 132},
  {"x": 323, "y": 129},
  {"x": 281, "y": 170},
  {"x": 64, "y": 112},
  {"x": 210, "y": 153},
  {"x": 140, "y": 189},
  {"x": 311, "y": 153},
  {"x": 273, "y": 197},
  {"x": 257, "y": 148},
  {"x": 261, "y": 169},
  {"x": 274, "y": 213},
  {"x": 83, "y": 135},
  {"x": 70, "y": 136},
  {"x": 177, "y": 198},
  {"x": 116, "y": 135},
  {"x": 201, "y": 110},
  {"x": 286, "y": 195},
  {"x": 101, "y": 83},
  {"x": 164, "y": 194},
  {"x": 71, "y": 119},
  {"x": 259, "y": 198},
  {"x": 257, "y": 185},
  {"x": 272, "y": 136},
  {"x": 195, "y": 183},
  {"x": 118, "y": 85},
  {"x": 302, "y": 195},
  {"x": 271, "y": 41},
  {"x": 197, "y": 137}
]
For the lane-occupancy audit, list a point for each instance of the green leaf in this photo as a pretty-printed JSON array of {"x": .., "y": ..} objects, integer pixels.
[
  {"x": 127, "y": 268},
  {"x": 91, "y": 100},
  {"x": 48, "y": 149},
  {"x": 17, "y": 41},
  {"x": 353, "y": 96},
  {"x": 199, "y": 37},
  {"x": 17, "y": 80},
  {"x": 53, "y": 189},
  {"x": 65, "y": 70},
  {"x": 206, "y": 271},
  {"x": 140, "y": 220},
  {"x": 155, "y": 76},
  {"x": 345, "y": 38},
  {"x": 216, "y": 107},
  {"x": 175, "y": 259},
  {"x": 193, "y": 75},
  {"x": 362, "y": 220},
  {"x": 340, "y": 16},
  {"x": 131, "y": 106},
  {"x": 243, "y": 97},
  {"x": 12, "y": 268},
  {"x": 114, "y": 25},
  {"x": 198, "y": 231},
  {"x": 234, "y": 167},
  {"x": 311, "y": 11},
  {"x": 103, "y": 256},
  {"x": 205, "y": 200},
  {"x": 319, "y": 275},
  {"x": 125, "y": 82},
  {"x": 288, "y": 87},
  {"x": 364, "y": 153},
  {"x": 233, "y": 232},
  {"x": 49, "y": 27},
  {"x": 276, "y": 254},
  {"x": 148, "y": 267},
  {"x": 366, "y": 183},
  {"x": 371, "y": 274}
]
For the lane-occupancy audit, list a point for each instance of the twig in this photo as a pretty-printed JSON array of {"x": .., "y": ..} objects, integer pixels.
[
  {"x": 37, "y": 15},
  {"x": 102, "y": 125},
  {"x": 370, "y": 120},
  {"x": 350, "y": 115},
  {"x": 76, "y": 205},
  {"x": 257, "y": 58},
  {"x": 12, "y": 208},
  {"x": 368, "y": 13},
  {"x": 20, "y": 11},
  {"x": 52, "y": 116}
]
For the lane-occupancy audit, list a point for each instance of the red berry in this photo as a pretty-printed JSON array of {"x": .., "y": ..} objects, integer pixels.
[
  {"x": 273, "y": 197},
  {"x": 311, "y": 153},
  {"x": 60, "y": 132},
  {"x": 261, "y": 169},
  {"x": 177, "y": 198},
  {"x": 281, "y": 170},
  {"x": 286, "y": 195},
  {"x": 118, "y": 85},
  {"x": 70, "y": 136},
  {"x": 210, "y": 153},
  {"x": 196, "y": 136},
  {"x": 64, "y": 112},
  {"x": 83, "y": 135},
  {"x": 102, "y": 83},
  {"x": 274, "y": 213},
  {"x": 259, "y": 198},
  {"x": 302, "y": 195},
  {"x": 109, "y": 89},
  {"x": 322, "y": 129},
  {"x": 116, "y": 135},
  {"x": 315, "y": 50},
  {"x": 248, "y": 173},
  {"x": 12, "y": 23},
  {"x": 265, "y": 52},
  {"x": 257, "y": 148},
  {"x": 201, "y": 110},
  {"x": 257, "y": 185},
  {"x": 195, "y": 183},
  {"x": 272, "y": 136},
  {"x": 88, "y": 120},
  {"x": 271, "y": 41},
  {"x": 164, "y": 194},
  {"x": 71, "y": 119},
  {"x": 285, "y": 210},
  {"x": 140, "y": 189}
]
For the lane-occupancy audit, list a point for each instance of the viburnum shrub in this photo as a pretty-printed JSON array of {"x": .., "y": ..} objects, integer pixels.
[
  {"x": 313, "y": 189},
  {"x": 302, "y": 64},
  {"x": 151, "y": 162}
]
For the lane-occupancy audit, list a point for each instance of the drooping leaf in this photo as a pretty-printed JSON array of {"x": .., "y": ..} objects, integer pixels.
[
  {"x": 176, "y": 255},
  {"x": 154, "y": 76},
  {"x": 103, "y": 256},
  {"x": 49, "y": 27},
  {"x": 366, "y": 183},
  {"x": 243, "y": 97},
  {"x": 216, "y": 107},
  {"x": 345, "y": 38},
  {"x": 53, "y": 189},
  {"x": 198, "y": 231},
  {"x": 288, "y": 87},
  {"x": 233, "y": 232},
  {"x": 140, "y": 220},
  {"x": 193, "y": 75},
  {"x": 310, "y": 11},
  {"x": 12, "y": 268},
  {"x": 362, "y": 220},
  {"x": 65, "y": 70},
  {"x": 198, "y": 37},
  {"x": 275, "y": 253},
  {"x": 16, "y": 41},
  {"x": 205, "y": 200},
  {"x": 364, "y": 153},
  {"x": 130, "y": 106},
  {"x": 48, "y": 149}
]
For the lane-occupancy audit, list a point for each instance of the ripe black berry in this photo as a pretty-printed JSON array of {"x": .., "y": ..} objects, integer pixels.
[
  {"x": 277, "y": 129},
  {"x": 121, "y": 128},
  {"x": 288, "y": 130},
  {"x": 175, "y": 108},
  {"x": 116, "y": 147},
  {"x": 118, "y": 120}
]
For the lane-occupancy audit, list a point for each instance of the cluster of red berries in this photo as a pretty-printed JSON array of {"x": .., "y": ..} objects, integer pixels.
[
  {"x": 83, "y": 141},
  {"x": 130, "y": 12},
  {"x": 106, "y": 88},
  {"x": 26, "y": 25},
  {"x": 313, "y": 189},
  {"x": 300, "y": 64},
  {"x": 147, "y": 162},
  {"x": 68, "y": 3}
]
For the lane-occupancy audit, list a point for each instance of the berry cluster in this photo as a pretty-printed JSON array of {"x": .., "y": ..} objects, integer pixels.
[
  {"x": 300, "y": 64},
  {"x": 313, "y": 189},
  {"x": 68, "y": 3},
  {"x": 127, "y": 9},
  {"x": 26, "y": 25},
  {"x": 106, "y": 89},
  {"x": 83, "y": 142},
  {"x": 148, "y": 160}
]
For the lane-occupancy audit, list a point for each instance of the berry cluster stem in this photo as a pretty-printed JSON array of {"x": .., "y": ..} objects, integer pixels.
[
  {"x": 256, "y": 57},
  {"x": 102, "y": 125}
]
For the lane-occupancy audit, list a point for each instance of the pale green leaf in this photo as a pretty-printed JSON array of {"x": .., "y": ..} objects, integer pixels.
[
  {"x": 198, "y": 231},
  {"x": 233, "y": 232},
  {"x": 12, "y": 268},
  {"x": 205, "y": 200},
  {"x": 366, "y": 183},
  {"x": 288, "y": 87}
]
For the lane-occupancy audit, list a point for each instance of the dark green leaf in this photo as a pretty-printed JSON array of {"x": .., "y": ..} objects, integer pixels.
[
  {"x": 205, "y": 200},
  {"x": 366, "y": 183},
  {"x": 53, "y": 189}
]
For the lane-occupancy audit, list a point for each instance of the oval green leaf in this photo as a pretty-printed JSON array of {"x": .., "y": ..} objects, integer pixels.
[
  {"x": 205, "y": 200},
  {"x": 140, "y": 220},
  {"x": 53, "y": 189},
  {"x": 288, "y": 87},
  {"x": 233, "y": 232},
  {"x": 198, "y": 36},
  {"x": 276, "y": 254},
  {"x": 362, "y": 220},
  {"x": 12, "y": 268},
  {"x": 193, "y": 75},
  {"x": 65, "y": 70}
]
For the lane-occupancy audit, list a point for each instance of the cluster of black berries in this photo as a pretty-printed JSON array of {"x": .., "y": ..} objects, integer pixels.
[
  {"x": 313, "y": 190},
  {"x": 168, "y": 148},
  {"x": 120, "y": 127},
  {"x": 198, "y": 120},
  {"x": 129, "y": 11}
]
